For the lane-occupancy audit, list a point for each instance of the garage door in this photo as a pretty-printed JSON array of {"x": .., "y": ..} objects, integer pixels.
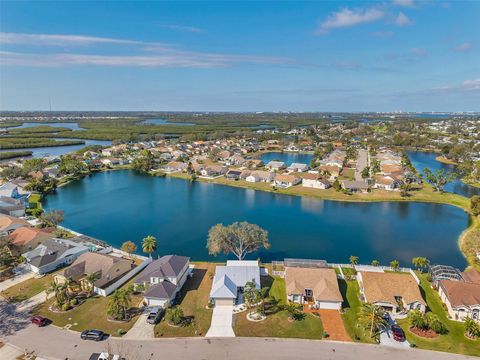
[
  {"x": 220, "y": 302},
  {"x": 330, "y": 305},
  {"x": 155, "y": 302}
]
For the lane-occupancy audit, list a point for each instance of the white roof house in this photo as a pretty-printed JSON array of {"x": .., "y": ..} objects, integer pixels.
[{"x": 231, "y": 278}]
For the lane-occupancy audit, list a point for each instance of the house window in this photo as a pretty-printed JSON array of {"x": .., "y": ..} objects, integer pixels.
[
  {"x": 475, "y": 314},
  {"x": 308, "y": 293}
]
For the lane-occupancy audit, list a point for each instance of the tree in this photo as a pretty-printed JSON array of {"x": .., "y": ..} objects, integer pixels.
[
  {"x": 89, "y": 280},
  {"x": 119, "y": 303},
  {"x": 69, "y": 165},
  {"x": 394, "y": 264},
  {"x": 416, "y": 319},
  {"x": 144, "y": 162},
  {"x": 59, "y": 291},
  {"x": 52, "y": 218},
  {"x": 149, "y": 245},
  {"x": 294, "y": 311},
  {"x": 439, "y": 178},
  {"x": 239, "y": 238},
  {"x": 129, "y": 247},
  {"x": 365, "y": 172},
  {"x": 375, "y": 263},
  {"x": 353, "y": 259},
  {"x": 472, "y": 328},
  {"x": 251, "y": 294},
  {"x": 475, "y": 205},
  {"x": 370, "y": 317},
  {"x": 174, "y": 315},
  {"x": 405, "y": 189},
  {"x": 421, "y": 263},
  {"x": 336, "y": 185}
]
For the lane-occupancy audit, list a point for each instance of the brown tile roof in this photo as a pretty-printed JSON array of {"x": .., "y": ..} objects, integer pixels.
[
  {"x": 384, "y": 287},
  {"x": 461, "y": 293},
  {"x": 472, "y": 276},
  {"x": 6, "y": 221},
  {"x": 286, "y": 178},
  {"x": 22, "y": 236},
  {"x": 323, "y": 282}
]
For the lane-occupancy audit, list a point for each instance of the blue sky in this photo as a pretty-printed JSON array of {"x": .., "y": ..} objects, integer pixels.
[{"x": 240, "y": 56}]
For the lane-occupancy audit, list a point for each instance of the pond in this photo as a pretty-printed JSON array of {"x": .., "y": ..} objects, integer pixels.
[
  {"x": 164, "y": 122},
  {"x": 423, "y": 159},
  {"x": 117, "y": 206},
  {"x": 68, "y": 125},
  {"x": 60, "y": 150},
  {"x": 287, "y": 157}
]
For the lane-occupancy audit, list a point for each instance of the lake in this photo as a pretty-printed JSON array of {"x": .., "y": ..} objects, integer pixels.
[
  {"x": 60, "y": 150},
  {"x": 123, "y": 205},
  {"x": 423, "y": 159},
  {"x": 287, "y": 157},
  {"x": 164, "y": 122},
  {"x": 69, "y": 125}
]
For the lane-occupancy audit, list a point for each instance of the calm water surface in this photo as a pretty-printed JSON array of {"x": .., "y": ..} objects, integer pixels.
[
  {"x": 287, "y": 157},
  {"x": 122, "y": 205},
  {"x": 164, "y": 122},
  {"x": 422, "y": 160},
  {"x": 69, "y": 125}
]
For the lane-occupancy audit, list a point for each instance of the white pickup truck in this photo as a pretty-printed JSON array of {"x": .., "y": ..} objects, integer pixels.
[{"x": 105, "y": 356}]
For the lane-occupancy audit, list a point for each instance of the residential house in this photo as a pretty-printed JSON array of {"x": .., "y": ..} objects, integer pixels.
[
  {"x": 52, "y": 254},
  {"x": 12, "y": 190},
  {"x": 275, "y": 165},
  {"x": 355, "y": 185},
  {"x": 163, "y": 279},
  {"x": 298, "y": 167},
  {"x": 25, "y": 238},
  {"x": 332, "y": 172},
  {"x": 213, "y": 170},
  {"x": 255, "y": 163},
  {"x": 315, "y": 181},
  {"x": 387, "y": 182},
  {"x": 286, "y": 181},
  {"x": 236, "y": 160},
  {"x": 230, "y": 280},
  {"x": 394, "y": 293},
  {"x": 260, "y": 176},
  {"x": 233, "y": 174},
  {"x": 12, "y": 207},
  {"x": 315, "y": 286},
  {"x": 461, "y": 298},
  {"x": 8, "y": 224},
  {"x": 175, "y": 166},
  {"x": 108, "y": 268}
]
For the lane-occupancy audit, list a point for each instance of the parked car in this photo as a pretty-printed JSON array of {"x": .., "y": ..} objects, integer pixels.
[
  {"x": 105, "y": 356},
  {"x": 155, "y": 315},
  {"x": 398, "y": 334},
  {"x": 96, "y": 335},
  {"x": 39, "y": 320}
]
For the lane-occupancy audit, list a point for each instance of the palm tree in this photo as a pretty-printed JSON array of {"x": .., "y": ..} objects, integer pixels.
[
  {"x": 394, "y": 264},
  {"x": 89, "y": 279},
  {"x": 353, "y": 259},
  {"x": 375, "y": 263},
  {"x": 371, "y": 318},
  {"x": 149, "y": 245},
  {"x": 59, "y": 291}
]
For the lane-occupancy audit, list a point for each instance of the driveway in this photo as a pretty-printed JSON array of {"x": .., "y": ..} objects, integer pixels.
[
  {"x": 333, "y": 325},
  {"x": 386, "y": 337},
  {"x": 20, "y": 277},
  {"x": 141, "y": 329},
  {"x": 222, "y": 321}
]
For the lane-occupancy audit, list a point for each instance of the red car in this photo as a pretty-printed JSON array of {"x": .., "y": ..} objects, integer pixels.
[
  {"x": 39, "y": 320},
  {"x": 398, "y": 334}
]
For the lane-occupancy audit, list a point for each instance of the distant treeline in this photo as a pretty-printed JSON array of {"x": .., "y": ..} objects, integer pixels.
[
  {"x": 14, "y": 154},
  {"x": 23, "y": 143}
]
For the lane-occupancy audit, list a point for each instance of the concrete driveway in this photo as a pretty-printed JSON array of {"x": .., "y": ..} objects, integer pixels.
[
  {"x": 222, "y": 320},
  {"x": 22, "y": 276},
  {"x": 141, "y": 329}
]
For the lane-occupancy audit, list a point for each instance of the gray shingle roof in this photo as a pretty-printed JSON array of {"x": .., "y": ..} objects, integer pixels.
[
  {"x": 163, "y": 290},
  {"x": 166, "y": 266}
]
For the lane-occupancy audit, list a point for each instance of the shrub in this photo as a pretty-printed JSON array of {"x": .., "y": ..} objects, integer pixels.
[
  {"x": 174, "y": 315},
  {"x": 65, "y": 307},
  {"x": 121, "y": 332},
  {"x": 73, "y": 302},
  {"x": 475, "y": 205},
  {"x": 434, "y": 323}
]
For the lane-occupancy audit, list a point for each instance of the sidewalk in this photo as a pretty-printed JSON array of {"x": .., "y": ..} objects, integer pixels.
[
  {"x": 8, "y": 352},
  {"x": 34, "y": 301},
  {"x": 4, "y": 285}
]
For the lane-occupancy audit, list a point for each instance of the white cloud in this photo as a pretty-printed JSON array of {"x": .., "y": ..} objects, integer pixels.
[
  {"x": 169, "y": 59},
  {"x": 465, "y": 87},
  {"x": 466, "y": 46},
  {"x": 403, "y": 3},
  {"x": 402, "y": 20},
  {"x": 348, "y": 17},
  {"x": 182, "y": 28},
  {"x": 60, "y": 40}
]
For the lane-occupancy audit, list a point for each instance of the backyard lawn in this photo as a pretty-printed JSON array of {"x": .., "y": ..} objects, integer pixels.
[
  {"x": 193, "y": 301},
  {"x": 454, "y": 341},
  {"x": 92, "y": 314},
  {"x": 351, "y": 306},
  {"x": 28, "y": 288},
  {"x": 277, "y": 324}
]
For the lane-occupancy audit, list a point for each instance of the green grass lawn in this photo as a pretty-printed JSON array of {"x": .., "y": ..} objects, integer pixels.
[
  {"x": 193, "y": 299},
  {"x": 351, "y": 306},
  {"x": 454, "y": 341},
  {"x": 28, "y": 288},
  {"x": 92, "y": 314},
  {"x": 277, "y": 324}
]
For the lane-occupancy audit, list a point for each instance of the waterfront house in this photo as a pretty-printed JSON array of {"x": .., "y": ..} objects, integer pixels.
[
  {"x": 14, "y": 191},
  {"x": 162, "y": 279},
  {"x": 233, "y": 174},
  {"x": 286, "y": 181},
  {"x": 230, "y": 280},
  {"x": 255, "y": 163},
  {"x": 175, "y": 166},
  {"x": 298, "y": 167},
  {"x": 317, "y": 287},
  {"x": 275, "y": 165},
  {"x": 355, "y": 185},
  {"x": 461, "y": 298},
  {"x": 52, "y": 254},
  {"x": 213, "y": 170},
  {"x": 396, "y": 293},
  {"x": 260, "y": 176},
  {"x": 332, "y": 172},
  {"x": 387, "y": 182},
  {"x": 109, "y": 270},
  {"x": 315, "y": 181}
]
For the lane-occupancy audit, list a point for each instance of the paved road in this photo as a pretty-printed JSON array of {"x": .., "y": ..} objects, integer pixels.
[
  {"x": 55, "y": 343},
  {"x": 362, "y": 163}
]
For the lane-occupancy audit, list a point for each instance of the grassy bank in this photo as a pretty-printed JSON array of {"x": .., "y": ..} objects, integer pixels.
[
  {"x": 469, "y": 242},
  {"x": 14, "y": 154},
  {"x": 444, "y": 160}
]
